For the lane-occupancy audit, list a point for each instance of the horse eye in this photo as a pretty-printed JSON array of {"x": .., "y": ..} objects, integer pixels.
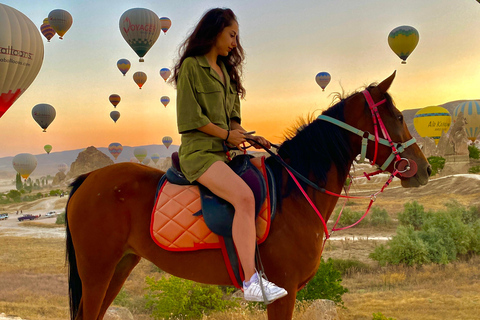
[{"x": 400, "y": 118}]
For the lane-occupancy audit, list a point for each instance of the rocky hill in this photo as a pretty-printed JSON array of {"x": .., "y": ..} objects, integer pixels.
[{"x": 88, "y": 160}]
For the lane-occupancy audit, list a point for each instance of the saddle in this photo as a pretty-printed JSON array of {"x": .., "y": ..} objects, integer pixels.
[{"x": 187, "y": 216}]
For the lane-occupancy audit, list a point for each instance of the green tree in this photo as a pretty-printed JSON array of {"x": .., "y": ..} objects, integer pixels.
[
  {"x": 473, "y": 152},
  {"x": 14, "y": 195},
  {"x": 437, "y": 164},
  {"x": 18, "y": 182}
]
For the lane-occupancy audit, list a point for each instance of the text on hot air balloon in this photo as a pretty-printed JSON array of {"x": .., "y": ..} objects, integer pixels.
[
  {"x": 14, "y": 52},
  {"x": 439, "y": 124},
  {"x": 129, "y": 26}
]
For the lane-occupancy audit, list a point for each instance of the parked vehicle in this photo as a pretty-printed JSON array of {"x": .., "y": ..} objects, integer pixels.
[
  {"x": 51, "y": 214},
  {"x": 3, "y": 216},
  {"x": 28, "y": 217}
]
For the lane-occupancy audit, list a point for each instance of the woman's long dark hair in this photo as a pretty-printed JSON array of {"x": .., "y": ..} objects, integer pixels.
[{"x": 202, "y": 40}]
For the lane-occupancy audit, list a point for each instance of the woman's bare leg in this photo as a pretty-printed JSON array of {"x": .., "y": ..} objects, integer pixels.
[{"x": 226, "y": 184}]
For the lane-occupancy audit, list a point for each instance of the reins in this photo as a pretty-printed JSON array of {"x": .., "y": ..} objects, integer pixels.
[{"x": 397, "y": 148}]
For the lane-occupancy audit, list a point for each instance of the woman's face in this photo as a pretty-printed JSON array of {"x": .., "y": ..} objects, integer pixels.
[{"x": 227, "y": 39}]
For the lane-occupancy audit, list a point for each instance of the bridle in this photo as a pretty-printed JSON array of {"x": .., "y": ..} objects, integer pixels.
[{"x": 402, "y": 166}]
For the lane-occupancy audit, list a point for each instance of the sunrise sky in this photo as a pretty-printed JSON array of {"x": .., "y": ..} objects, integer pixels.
[{"x": 287, "y": 44}]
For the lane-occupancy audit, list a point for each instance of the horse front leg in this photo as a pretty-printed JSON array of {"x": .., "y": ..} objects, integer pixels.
[{"x": 282, "y": 309}]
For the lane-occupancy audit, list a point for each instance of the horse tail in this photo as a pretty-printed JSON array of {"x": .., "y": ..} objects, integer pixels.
[{"x": 74, "y": 281}]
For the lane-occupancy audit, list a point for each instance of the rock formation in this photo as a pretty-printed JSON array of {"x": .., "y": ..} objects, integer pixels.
[
  {"x": 88, "y": 160},
  {"x": 58, "y": 179},
  {"x": 458, "y": 136},
  {"x": 429, "y": 148}
]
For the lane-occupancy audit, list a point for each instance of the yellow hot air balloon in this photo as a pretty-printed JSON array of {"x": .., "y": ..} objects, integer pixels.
[
  {"x": 21, "y": 55},
  {"x": 471, "y": 113},
  {"x": 60, "y": 20},
  {"x": 432, "y": 121},
  {"x": 24, "y": 164},
  {"x": 140, "y": 78},
  {"x": 140, "y": 28},
  {"x": 403, "y": 40}
]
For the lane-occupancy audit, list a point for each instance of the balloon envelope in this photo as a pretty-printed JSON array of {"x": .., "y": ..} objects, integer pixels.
[
  {"x": 140, "y": 78},
  {"x": 323, "y": 79},
  {"x": 165, "y": 100},
  {"x": 60, "y": 20},
  {"x": 115, "y": 115},
  {"x": 115, "y": 149},
  {"x": 114, "y": 99},
  {"x": 155, "y": 157},
  {"x": 24, "y": 164},
  {"x": 432, "y": 121},
  {"x": 22, "y": 55},
  {"x": 43, "y": 114},
  {"x": 167, "y": 141},
  {"x": 165, "y": 73},
  {"x": 47, "y": 31},
  {"x": 471, "y": 113},
  {"x": 403, "y": 40},
  {"x": 123, "y": 65},
  {"x": 140, "y": 28},
  {"x": 165, "y": 24},
  {"x": 140, "y": 153},
  {"x": 48, "y": 148},
  {"x": 62, "y": 167}
]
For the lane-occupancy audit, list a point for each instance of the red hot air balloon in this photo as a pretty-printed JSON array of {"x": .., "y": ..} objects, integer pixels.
[{"x": 140, "y": 78}]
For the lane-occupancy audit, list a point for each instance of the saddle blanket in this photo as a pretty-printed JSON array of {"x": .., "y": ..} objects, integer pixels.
[{"x": 174, "y": 226}]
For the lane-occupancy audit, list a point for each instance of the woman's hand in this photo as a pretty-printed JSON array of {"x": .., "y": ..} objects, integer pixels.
[
  {"x": 236, "y": 138},
  {"x": 260, "y": 140}
]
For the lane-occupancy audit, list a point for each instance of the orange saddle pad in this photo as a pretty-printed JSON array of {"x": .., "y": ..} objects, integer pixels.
[{"x": 175, "y": 228}]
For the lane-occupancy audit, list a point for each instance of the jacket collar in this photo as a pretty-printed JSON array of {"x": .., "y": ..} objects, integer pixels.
[{"x": 203, "y": 62}]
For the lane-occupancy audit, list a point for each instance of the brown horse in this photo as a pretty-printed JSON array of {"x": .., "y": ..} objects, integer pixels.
[{"x": 109, "y": 212}]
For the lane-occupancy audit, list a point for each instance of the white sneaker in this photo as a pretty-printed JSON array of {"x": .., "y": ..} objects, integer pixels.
[{"x": 253, "y": 291}]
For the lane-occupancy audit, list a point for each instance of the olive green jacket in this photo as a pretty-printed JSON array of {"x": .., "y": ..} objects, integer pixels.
[{"x": 203, "y": 98}]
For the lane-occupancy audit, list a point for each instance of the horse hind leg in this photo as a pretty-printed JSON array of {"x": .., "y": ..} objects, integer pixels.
[{"x": 122, "y": 271}]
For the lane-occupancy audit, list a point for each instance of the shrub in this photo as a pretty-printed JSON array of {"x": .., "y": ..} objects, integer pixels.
[
  {"x": 441, "y": 238},
  {"x": 412, "y": 215},
  {"x": 326, "y": 284},
  {"x": 379, "y": 217},
  {"x": 60, "y": 218},
  {"x": 380, "y": 316},
  {"x": 349, "y": 265},
  {"x": 437, "y": 164},
  {"x": 473, "y": 152},
  {"x": 177, "y": 298},
  {"x": 474, "y": 169},
  {"x": 349, "y": 217}
]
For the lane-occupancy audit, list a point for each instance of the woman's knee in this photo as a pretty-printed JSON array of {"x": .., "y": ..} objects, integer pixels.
[{"x": 244, "y": 200}]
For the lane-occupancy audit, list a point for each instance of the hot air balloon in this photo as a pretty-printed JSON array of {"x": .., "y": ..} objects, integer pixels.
[
  {"x": 432, "y": 121},
  {"x": 43, "y": 114},
  {"x": 114, "y": 99},
  {"x": 165, "y": 73},
  {"x": 167, "y": 141},
  {"x": 47, "y": 31},
  {"x": 471, "y": 113},
  {"x": 24, "y": 164},
  {"x": 323, "y": 79},
  {"x": 60, "y": 20},
  {"x": 146, "y": 161},
  {"x": 62, "y": 167},
  {"x": 140, "y": 28},
  {"x": 115, "y": 115},
  {"x": 155, "y": 157},
  {"x": 140, "y": 78},
  {"x": 140, "y": 153},
  {"x": 48, "y": 148},
  {"x": 403, "y": 40},
  {"x": 165, "y": 100},
  {"x": 123, "y": 65},
  {"x": 165, "y": 24},
  {"x": 115, "y": 149},
  {"x": 21, "y": 55}
]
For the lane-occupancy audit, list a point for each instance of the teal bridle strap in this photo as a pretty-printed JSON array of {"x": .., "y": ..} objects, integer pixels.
[{"x": 368, "y": 136}]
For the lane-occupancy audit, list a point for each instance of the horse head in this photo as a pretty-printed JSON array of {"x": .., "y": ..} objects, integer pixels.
[{"x": 389, "y": 143}]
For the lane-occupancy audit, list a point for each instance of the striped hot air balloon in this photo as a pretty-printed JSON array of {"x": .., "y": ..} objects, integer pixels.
[
  {"x": 167, "y": 141},
  {"x": 123, "y": 65},
  {"x": 323, "y": 79},
  {"x": 403, "y": 40},
  {"x": 471, "y": 112},
  {"x": 114, "y": 99},
  {"x": 165, "y": 100},
  {"x": 115, "y": 149},
  {"x": 140, "y": 78},
  {"x": 140, "y": 153},
  {"x": 165, "y": 24}
]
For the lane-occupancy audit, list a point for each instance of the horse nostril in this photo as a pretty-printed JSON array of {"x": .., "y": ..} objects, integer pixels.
[{"x": 429, "y": 170}]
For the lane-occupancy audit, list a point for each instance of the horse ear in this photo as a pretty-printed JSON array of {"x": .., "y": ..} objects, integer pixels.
[{"x": 385, "y": 84}]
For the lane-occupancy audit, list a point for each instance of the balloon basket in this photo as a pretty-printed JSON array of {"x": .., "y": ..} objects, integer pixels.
[
  {"x": 141, "y": 60},
  {"x": 404, "y": 62}
]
